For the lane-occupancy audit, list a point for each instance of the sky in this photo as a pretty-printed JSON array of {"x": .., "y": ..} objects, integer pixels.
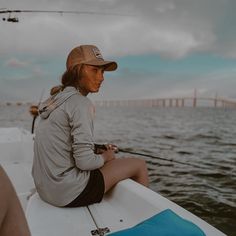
[{"x": 164, "y": 48}]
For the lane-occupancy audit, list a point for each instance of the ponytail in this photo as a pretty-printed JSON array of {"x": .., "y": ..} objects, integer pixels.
[
  {"x": 69, "y": 78},
  {"x": 56, "y": 89}
]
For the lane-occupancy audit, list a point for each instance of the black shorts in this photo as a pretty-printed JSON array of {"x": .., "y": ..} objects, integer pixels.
[{"x": 93, "y": 192}]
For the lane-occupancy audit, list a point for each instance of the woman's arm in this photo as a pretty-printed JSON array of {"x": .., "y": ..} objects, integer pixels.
[{"x": 82, "y": 138}]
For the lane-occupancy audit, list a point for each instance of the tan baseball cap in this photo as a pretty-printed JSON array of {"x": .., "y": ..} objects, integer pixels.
[{"x": 88, "y": 55}]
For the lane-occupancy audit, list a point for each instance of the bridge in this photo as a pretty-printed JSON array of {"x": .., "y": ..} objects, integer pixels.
[
  {"x": 170, "y": 102},
  {"x": 194, "y": 101}
]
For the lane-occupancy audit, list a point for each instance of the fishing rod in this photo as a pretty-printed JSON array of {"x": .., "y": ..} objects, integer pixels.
[
  {"x": 103, "y": 147},
  {"x": 61, "y": 12},
  {"x": 34, "y": 112},
  {"x": 156, "y": 157}
]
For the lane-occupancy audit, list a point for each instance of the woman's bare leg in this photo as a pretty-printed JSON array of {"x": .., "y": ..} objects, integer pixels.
[
  {"x": 12, "y": 218},
  {"x": 124, "y": 168}
]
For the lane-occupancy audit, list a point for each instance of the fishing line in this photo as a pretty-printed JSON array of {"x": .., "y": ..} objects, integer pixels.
[{"x": 156, "y": 157}]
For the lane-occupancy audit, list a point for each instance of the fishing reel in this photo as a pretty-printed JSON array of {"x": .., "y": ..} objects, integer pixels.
[
  {"x": 11, "y": 19},
  {"x": 100, "y": 148}
]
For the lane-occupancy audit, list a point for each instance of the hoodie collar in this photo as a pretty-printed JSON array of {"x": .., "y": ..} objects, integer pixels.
[{"x": 50, "y": 104}]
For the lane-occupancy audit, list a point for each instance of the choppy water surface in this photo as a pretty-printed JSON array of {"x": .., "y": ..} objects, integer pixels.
[{"x": 204, "y": 138}]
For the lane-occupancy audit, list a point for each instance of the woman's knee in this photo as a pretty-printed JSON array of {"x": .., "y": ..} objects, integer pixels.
[
  {"x": 140, "y": 163},
  {"x": 137, "y": 168},
  {"x": 123, "y": 168}
]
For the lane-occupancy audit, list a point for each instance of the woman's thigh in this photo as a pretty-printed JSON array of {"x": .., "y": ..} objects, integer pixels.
[{"x": 123, "y": 168}]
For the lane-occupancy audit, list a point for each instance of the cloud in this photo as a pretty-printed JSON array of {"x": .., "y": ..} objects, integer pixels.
[
  {"x": 18, "y": 69},
  {"x": 15, "y": 63},
  {"x": 170, "y": 28},
  {"x": 37, "y": 46}
]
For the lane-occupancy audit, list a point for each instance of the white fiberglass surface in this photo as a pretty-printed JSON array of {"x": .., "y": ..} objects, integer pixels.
[
  {"x": 16, "y": 157},
  {"x": 130, "y": 203},
  {"x": 47, "y": 220}
]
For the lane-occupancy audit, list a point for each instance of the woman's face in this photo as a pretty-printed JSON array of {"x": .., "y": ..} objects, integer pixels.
[{"x": 91, "y": 79}]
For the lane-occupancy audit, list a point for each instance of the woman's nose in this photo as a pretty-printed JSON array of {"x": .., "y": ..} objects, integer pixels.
[{"x": 100, "y": 76}]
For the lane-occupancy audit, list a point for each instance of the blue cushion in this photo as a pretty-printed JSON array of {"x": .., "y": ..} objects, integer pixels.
[{"x": 166, "y": 223}]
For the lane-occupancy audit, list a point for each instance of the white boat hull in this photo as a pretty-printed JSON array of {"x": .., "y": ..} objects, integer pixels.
[{"x": 125, "y": 206}]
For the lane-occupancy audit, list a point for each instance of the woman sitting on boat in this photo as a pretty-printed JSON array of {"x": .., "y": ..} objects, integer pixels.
[{"x": 67, "y": 169}]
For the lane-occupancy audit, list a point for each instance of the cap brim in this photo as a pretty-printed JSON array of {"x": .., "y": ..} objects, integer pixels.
[{"x": 108, "y": 65}]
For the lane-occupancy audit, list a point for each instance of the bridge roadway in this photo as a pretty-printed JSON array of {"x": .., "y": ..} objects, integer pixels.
[
  {"x": 156, "y": 102},
  {"x": 171, "y": 102}
]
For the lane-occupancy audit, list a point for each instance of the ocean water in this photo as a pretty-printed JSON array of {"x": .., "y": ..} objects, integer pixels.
[{"x": 202, "y": 138}]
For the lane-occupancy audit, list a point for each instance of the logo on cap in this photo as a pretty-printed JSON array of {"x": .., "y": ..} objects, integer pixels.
[{"x": 97, "y": 53}]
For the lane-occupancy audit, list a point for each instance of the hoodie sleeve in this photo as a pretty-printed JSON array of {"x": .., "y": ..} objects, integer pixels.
[{"x": 81, "y": 123}]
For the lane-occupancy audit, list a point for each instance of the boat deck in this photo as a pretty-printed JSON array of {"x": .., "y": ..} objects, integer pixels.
[{"x": 126, "y": 205}]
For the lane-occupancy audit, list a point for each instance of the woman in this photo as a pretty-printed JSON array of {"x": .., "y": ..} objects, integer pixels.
[{"x": 66, "y": 169}]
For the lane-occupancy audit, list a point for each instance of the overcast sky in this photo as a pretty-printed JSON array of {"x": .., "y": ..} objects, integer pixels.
[{"x": 164, "y": 48}]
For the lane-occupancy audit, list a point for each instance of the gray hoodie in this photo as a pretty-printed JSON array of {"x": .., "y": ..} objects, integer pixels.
[{"x": 63, "y": 147}]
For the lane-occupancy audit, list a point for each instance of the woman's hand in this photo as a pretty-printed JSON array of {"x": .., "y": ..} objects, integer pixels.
[
  {"x": 112, "y": 147},
  {"x": 100, "y": 148},
  {"x": 109, "y": 154}
]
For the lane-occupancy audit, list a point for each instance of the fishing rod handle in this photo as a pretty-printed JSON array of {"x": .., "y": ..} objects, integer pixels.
[{"x": 100, "y": 148}]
